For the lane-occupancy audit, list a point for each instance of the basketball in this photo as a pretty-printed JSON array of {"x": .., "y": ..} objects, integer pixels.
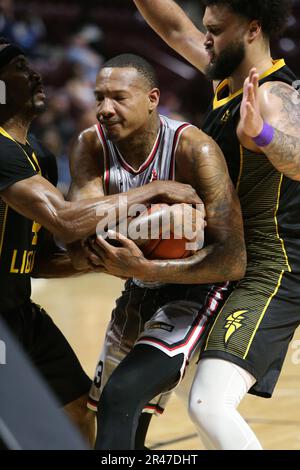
[{"x": 168, "y": 232}]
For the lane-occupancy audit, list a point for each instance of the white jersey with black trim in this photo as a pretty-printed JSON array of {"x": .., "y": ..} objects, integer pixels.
[{"x": 120, "y": 177}]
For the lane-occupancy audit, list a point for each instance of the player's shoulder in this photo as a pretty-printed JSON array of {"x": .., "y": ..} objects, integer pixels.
[
  {"x": 193, "y": 136},
  {"x": 90, "y": 137},
  {"x": 46, "y": 158},
  {"x": 194, "y": 144},
  {"x": 88, "y": 143},
  {"x": 9, "y": 150},
  {"x": 272, "y": 95},
  {"x": 8, "y": 144},
  {"x": 275, "y": 88}
]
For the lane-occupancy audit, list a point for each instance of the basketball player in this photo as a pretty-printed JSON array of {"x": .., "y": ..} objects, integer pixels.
[
  {"x": 29, "y": 200},
  {"x": 164, "y": 311},
  {"x": 258, "y": 131}
]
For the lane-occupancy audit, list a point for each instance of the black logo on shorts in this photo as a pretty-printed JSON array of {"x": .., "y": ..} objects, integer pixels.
[
  {"x": 160, "y": 326},
  {"x": 98, "y": 375}
]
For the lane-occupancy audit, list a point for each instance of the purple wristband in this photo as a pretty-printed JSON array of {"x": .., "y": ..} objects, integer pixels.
[{"x": 265, "y": 137}]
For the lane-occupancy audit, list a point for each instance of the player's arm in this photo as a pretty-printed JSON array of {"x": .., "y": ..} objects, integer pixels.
[
  {"x": 87, "y": 168},
  {"x": 200, "y": 162},
  {"x": 173, "y": 25},
  {"x": 51, "y": 261},
  {"x": 37, "y": 199},
  {"x": 277, "y": 104}
]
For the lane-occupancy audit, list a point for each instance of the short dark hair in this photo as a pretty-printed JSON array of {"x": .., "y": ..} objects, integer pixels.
[
  {"x": 272, "y": 14},
  {"x": 141, "y": 65}
]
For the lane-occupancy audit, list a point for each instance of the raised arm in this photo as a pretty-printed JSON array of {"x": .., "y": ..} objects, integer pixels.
[
  {"x": 173, "y": 25},
  {"x": 199, "y": 162},
  {"x": 278, "y": 105}
]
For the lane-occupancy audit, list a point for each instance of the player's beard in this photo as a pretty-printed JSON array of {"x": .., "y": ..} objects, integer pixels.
[
  {"x": 227, "y": 62},
  {"x": 38, "y": 106}
]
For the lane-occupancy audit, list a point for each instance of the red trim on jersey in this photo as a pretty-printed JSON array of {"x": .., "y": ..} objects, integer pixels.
[
  {"x": 175, "y": 142},
  {"x": 106, "y": 157},
  {"x": 146, "y": 163},
  {"x": 217, "y": 297}
]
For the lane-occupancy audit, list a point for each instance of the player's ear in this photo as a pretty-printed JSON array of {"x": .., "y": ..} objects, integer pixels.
[
  {"x": 153, "y": 97},
  {"x": 254, "y": 30}
]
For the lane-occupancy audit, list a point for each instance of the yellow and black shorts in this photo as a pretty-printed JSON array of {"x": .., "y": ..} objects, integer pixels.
[{"x": 256, "y": 324}]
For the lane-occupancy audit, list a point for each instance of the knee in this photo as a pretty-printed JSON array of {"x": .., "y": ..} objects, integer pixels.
[{"x": 205, "y": 411}]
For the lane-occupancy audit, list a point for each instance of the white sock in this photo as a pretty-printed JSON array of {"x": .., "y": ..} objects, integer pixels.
[{"x": 218, "y": 388}]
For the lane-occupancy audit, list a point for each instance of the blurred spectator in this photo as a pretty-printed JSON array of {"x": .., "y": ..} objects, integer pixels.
[{"x": 27, "y": 31}]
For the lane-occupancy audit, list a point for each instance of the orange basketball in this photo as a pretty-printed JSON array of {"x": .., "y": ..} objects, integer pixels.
[{"x": 168, "y": 232}]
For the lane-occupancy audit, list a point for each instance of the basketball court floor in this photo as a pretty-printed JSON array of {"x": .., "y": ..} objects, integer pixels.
[{"x": 81, "y": 307}]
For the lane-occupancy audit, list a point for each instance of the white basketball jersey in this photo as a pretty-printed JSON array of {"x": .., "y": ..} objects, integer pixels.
[{"x": 120, "y": 177}]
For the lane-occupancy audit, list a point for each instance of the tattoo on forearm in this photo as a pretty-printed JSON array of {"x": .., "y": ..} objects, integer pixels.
[
  {"x": 284, "y": 153},
  {"x": 284, "y": 150}
]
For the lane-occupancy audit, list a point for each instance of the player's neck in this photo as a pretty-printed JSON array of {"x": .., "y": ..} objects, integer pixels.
[
  {"x": 262, "y": 62},
  {"x": 17, "y": 127},
  {"x": 136, "y": 149}
]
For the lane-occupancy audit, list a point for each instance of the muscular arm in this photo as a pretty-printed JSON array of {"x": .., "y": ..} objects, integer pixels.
[
  {"x": 87, "y": 167},
  {"x": 281, "y": 109},
  {"x": 172, "y": 24},
  {"x": 200, "y": 162},
  {"x": 278, "y": 104},
  {"x": 53, "y": 262},
  {"x": 38, "y": 200}
]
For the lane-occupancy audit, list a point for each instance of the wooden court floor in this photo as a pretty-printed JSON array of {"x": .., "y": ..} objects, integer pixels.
[{"x": 81, "y": 307}]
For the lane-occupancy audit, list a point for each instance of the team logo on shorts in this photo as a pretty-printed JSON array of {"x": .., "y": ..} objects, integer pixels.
[
  {"x": 233, "y": 322},
  {"x": 160, "y": 326}
]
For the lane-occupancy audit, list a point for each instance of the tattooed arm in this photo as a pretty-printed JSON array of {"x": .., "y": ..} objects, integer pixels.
[
  {"x": 278, "y": 104},
  {"x": 199, "y": 162}
]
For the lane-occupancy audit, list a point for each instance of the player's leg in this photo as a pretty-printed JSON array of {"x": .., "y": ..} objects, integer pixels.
[
  {"x": 218, "y": 388},
  {"x": 82, "y": 417},
  {"x": 141, "y": 432},
  {"x": 143, "y": 374},
  {"x": 121, "y": 335},
  {"x": 183, "y": 393},
  {"x": 54, "y": 358},
  {"x": 252, "y": 331},
  {"x": 171, "y": 336}
]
